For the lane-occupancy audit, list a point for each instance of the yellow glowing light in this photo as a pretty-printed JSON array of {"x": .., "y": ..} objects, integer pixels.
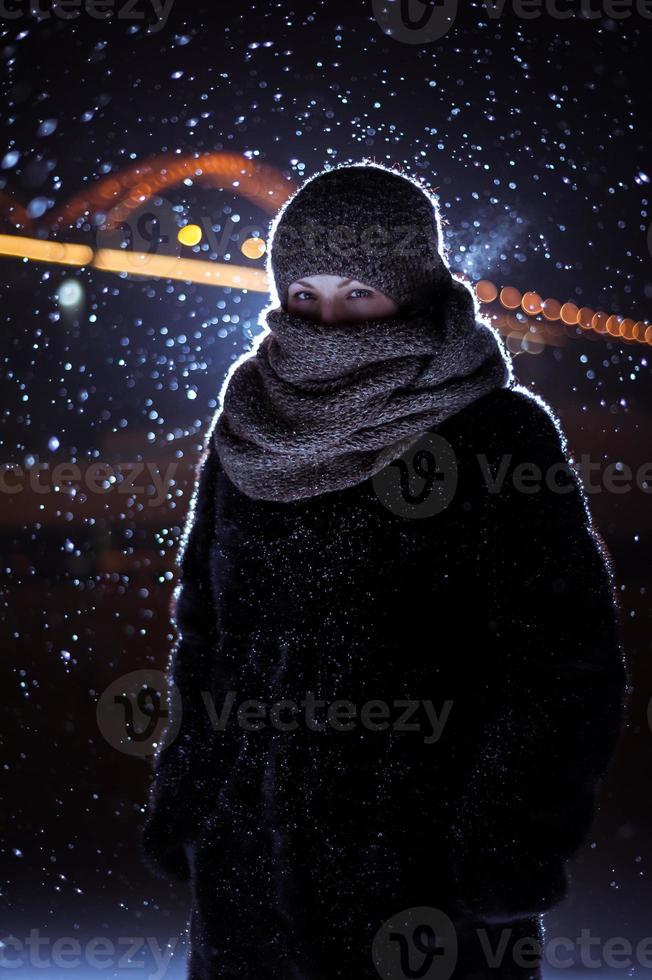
[
  {"x": 187, "y": 270},
  {"x": 255, "y": 280},
  {"x": 189, "y": 235},
  {"x": 253, "y": 248},
  {"x": 40, "y": 251}
]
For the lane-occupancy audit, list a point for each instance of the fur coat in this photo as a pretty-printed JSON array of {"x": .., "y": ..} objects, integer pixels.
[{"x": 499, "y": 612}]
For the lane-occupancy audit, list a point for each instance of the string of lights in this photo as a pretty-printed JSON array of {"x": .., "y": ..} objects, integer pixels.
[
  {"x": 522, "y": 315},
  {"x": 523, "y": 309}
]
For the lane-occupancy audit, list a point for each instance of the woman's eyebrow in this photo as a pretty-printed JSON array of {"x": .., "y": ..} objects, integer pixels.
[{"x": 345, "y": 282}]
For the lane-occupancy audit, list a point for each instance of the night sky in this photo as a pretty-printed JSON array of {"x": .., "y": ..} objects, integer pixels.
[{"x": 536, "y": 135}]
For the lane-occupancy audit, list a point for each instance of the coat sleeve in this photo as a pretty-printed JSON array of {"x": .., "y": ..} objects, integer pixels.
[
  {"x": 179, "y": 790},
  {"x": 552, "y": 624}
]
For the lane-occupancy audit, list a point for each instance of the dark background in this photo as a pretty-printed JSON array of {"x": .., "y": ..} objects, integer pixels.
[{"x": 535, "y": 134}]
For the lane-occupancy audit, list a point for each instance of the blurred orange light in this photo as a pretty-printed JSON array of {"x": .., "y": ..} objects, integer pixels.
[
  {"x": 510, "y": 298},
  {"x": 109, "y": 189},
  {"x": 531, "y": 303},
  {"x": 599, "y": 322},
  {"x": 186, "y": 270},
  {"x": 512, "y": 322},
  {"x": 568, "y": 313},
  {"x": 551, "y": 309},
  {"x": 486, "y": 291},
  {"x": 626, "y": 328},
  {"x": 585, "y": 317},
  {"x": 253, "y": 248}
]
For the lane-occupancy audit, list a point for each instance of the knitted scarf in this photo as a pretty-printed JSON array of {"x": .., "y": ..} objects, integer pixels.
[{"x": 314, "y": 407}]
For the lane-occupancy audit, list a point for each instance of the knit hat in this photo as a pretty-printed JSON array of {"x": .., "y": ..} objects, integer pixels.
[{"x": 361, "y": 221}]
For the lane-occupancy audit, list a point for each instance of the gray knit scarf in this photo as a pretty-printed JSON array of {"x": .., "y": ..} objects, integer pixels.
[{"x": 314, "y": 408}]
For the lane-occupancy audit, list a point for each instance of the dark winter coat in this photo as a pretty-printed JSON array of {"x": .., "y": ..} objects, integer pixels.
[{"x": 302, "y": 843}]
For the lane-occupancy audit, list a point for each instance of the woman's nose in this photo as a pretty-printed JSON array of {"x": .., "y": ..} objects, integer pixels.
[{"x": 329, "y": 312}]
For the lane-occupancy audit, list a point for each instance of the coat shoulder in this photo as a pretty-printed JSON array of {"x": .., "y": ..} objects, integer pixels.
[{"x": 511, "y": 419}]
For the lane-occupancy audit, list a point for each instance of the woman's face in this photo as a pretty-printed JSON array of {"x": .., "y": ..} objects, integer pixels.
[{"x": 332, "y": 299}]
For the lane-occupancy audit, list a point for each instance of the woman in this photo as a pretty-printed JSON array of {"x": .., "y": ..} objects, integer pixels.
[{"x": 421, "y": 653}]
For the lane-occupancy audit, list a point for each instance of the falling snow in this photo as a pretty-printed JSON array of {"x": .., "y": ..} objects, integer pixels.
[{"x": 535, "y": 135}]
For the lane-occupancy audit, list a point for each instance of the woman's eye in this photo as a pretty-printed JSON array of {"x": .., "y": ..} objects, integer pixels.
[
  {"x": 362, "y": 293},
  {"x": 304, "y": 294}
]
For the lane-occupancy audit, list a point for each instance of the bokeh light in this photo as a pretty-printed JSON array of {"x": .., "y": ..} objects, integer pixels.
[
  {"x": 486, "y": 291},
  {"x": 568, "y": 313},
  {"x": 253, "y": 248},
  {"x": 510, "y": 298},
  {"x": 70, "y": 293},
  {"x": 531, "y": 303},
  {"x": 190, "y": 235}
]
